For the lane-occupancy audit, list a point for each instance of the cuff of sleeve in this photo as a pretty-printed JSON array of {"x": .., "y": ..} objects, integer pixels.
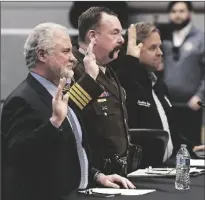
[
  {"x": 50, "y": 132},
  {"x": 131, "y": 60},
  {"x": 96, "y": 176},
  {"x": 131, "y": 64},
  {"x": 59, "y": 129},
  {"x": 44, "y": 133}
]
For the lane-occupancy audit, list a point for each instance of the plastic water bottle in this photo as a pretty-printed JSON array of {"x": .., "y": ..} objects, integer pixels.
[{"x": 182, "y": 181}]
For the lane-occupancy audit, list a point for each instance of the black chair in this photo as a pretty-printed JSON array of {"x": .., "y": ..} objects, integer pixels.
[{"x": 153, "y": 143}]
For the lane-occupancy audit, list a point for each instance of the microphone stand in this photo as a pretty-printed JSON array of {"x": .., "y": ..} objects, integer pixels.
[{"x": 202, "y": 105}]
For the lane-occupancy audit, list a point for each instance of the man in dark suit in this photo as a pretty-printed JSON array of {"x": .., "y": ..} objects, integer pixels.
[
  {"x": 45, "y": 152},
  {"x": 105, "y": 119},
  {"x": 147, "y": 99}
]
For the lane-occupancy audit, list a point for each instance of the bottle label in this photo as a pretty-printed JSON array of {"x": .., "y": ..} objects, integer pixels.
[{"x": 181, "y": 161}]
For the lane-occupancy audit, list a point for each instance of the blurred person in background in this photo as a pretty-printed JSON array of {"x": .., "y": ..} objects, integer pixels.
[
  {"x": 45, "y": 154},
  {"x": 184, "y": 63}
]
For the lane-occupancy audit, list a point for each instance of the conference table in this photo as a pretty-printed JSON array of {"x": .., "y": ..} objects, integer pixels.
[
  {"x": 165, "y": 190},
  {"x": 164, "y": 186}
]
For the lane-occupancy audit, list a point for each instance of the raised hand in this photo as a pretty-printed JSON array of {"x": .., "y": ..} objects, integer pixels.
[
  {"x": 89, "y": 60},
  {"x": 59, "y": 104},
  {"x": 132, "y": 48}
]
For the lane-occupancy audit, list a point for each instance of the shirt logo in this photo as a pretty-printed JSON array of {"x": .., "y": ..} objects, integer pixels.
[
  {"x": 101, "y": 100},
  {"x": 143, "y": 103}
]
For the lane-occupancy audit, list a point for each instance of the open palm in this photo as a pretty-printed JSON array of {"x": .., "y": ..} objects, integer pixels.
[
  {"x": 60, "y": 102},
  {"x": 132, "y": 48},
  {"x": 89, "y": 60}
]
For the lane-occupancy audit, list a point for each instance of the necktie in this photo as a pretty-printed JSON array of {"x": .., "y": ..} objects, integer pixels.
[{"x": 81, "y": 151}]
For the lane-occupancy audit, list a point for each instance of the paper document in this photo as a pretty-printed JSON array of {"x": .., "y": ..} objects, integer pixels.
[
  {"x": 126, "y": 192},
  {"x": 161, "y": 172},
  {"x": 197, "y": 162}
]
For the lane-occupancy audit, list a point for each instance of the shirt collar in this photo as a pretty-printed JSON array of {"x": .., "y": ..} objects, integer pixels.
[
  {"x": 153, "y": 78},
  {"x": 50, "y": 87}
]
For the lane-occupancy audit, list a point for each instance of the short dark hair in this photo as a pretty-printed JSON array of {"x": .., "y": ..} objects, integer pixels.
[
  {"x": 90, "y": 19},
  {"x": 172, "y": 3}
]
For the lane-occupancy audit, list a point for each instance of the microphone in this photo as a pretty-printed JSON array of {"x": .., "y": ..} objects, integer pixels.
[{"x": 201, "y": 104}]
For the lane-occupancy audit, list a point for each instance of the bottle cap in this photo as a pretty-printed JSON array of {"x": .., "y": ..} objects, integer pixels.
[{"x": 183, "y": 145}]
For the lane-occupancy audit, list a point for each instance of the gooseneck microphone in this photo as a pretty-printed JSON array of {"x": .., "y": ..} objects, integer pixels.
[{"x": 201, "y": 104}]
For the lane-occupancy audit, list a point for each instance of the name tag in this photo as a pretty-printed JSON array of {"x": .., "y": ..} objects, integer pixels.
[
  {"x": 143, "y": 103},
  {"x": 101, "y": 100}
]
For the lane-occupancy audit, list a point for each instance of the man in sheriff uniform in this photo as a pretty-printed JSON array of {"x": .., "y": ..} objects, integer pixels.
[{"x": 105, "y": 119}]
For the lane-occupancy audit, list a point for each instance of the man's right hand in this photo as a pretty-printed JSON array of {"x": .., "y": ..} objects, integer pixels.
[
  {"x": 89, "y": 60},
  {"x": 114, "y": 181},
  {"x": 60, "y": 105},
  {"x": 132, "y": 48}
]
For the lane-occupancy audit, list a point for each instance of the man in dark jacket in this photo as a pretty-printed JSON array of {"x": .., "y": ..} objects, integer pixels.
[
  {"x": 147, "y": 99},
  {"x": 45, "y": 151},
  {"x": 105, "y": 119}
]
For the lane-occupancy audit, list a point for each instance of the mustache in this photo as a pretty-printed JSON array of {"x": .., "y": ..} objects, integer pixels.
[
  {"x": 111, "y": 54},
  {"x": 73, "y": 63}
]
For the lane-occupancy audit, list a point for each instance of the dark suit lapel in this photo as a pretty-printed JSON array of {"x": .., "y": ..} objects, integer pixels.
[
  {"x": 106, "y": 82},
  {"x": 43, "y": 99},
  {"x": 41, "y": 96}
]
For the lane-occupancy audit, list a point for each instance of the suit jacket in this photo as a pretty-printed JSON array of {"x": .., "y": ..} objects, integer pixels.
[
  {"x": 105, "y": 119},
  {"x": 141, "y": 107},
  {"x": 39, "y": 160}
]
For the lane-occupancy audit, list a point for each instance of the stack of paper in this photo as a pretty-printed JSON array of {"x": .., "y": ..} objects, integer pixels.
[
  {"x": 197, "y": 162},
  {"x": 126, "y": 192},
  {"x": 161, "y": 172}
]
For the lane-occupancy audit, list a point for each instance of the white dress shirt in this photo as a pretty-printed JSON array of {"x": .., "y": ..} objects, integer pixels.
[{"x": 163, "y": 117}]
